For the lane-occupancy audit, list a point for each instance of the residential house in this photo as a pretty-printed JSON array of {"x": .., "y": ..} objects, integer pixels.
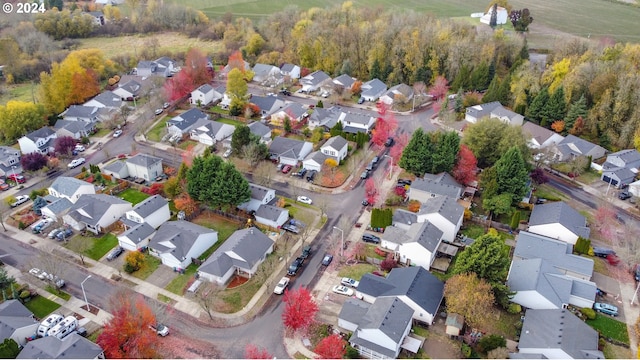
[
  {"x": 219, "y": 94},
  {"x": 260, "y": 195},
  {"x": 267, "y": 104},
  {"x": 556, "y": 334},
  {"x": 16, "y": 322},
  {"x": 185, "y": 122},
  {"x": 327, "y": 118},
  {"x": 272, "y": 216},
  {"x": 56, "y": 209},
  {"x": 336, "y": 147},
  {"x": 291, "y": 71},
  {"x": 73, "y": 346},
  {"x": 372, "y": 90},
  {"x": 9, "y": 161},
  {"x": 41, "y": 140},
  {"x": 267, "y": 75},
  {"x": 442, "y": 211},
  {"x": 344, "y": 81},
  {"x": 141, "y": 166},
  {"x": 414, "y": 285},
  {"x": 202, "y": 96},
  {"x": 621, "y": 167},
  {"x": 573, "y": 147},
  {"x": 63, "y": 193},
  {"x": 492, "y": 110},
  {"x": 128, "y": 90},
  {"x": 117, "y": 169},
  {"x": 106, "y": 99},
  {"x": 241, "y": 254},
  {"x": 501, "y": 16},
  {"x": 176, "y": 243},
  {"x": 314, "y": 161},
  {"x": 161, "y": 67},
  {"x": 399, "y": 94},
  {"x": 314, "y": 81},
  {"x": 97, "y": 17},
  {"x": 431, "y": 185},
  {"x": 544, "y": 274},
  {"x": 295, "y": 112},
  {"x": 95, "y": 212},
  {"x": 558, "y": 220},
  {"x": 539, "y": 137},
  {"x": 74, "y": 129},
  {"x": 153, "y": 210},
  {"x": 87, "y": 114},
  {"x": 417, "y": 245},
  {"x": 355, "y": 123},
  {"x": 262, "y": 131},
  {"x": 212, "y": 132},
  {"x": 289, "y": 151},
  {"x": 225, "y": 70},
  {"x": 379, "y": 329}
]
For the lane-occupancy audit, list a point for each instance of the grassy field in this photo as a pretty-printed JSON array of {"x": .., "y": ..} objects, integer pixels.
[
  {"x": 41, "y": 306},
  {"x": 133, "y": 196},
  {"x": 19, "y": 92}
]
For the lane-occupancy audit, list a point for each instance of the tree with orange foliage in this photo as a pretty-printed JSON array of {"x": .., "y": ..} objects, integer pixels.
[
  {"x": 331, "y": 347},
  {"x": 558, "y": 126},
  {"x": 127, "y": 334},
  {"x": 84, "y": 84},
  {"x": 194, "y": 73},
  {"x": 253, "y": 352},
  {"x": 386, "y": 125},
  {"x": 356, "y": 88},
  {"x": 578, "y": 127},
  {"x": 414, "y": 206},
  {"x": 236, "y": 62},
  {"x": 185, "y": 203}
]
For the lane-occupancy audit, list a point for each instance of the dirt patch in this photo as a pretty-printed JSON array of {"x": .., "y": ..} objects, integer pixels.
[
  {"x": 237, "y": 281},
  {"x": 438, "y": 345}
]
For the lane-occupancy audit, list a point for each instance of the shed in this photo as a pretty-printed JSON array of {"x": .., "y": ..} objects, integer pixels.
[{"x": 454, "y": 324}]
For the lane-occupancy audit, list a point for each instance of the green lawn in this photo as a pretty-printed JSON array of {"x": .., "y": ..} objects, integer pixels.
[
  {"x": 41, "y": 306},
  {"x": 235, "y": 123},
  {"x": 101, "y": 246},
  {"x": 547, "y": 192},
  {"x": 589, "y": 177},
  {"x": 133, "y": 196},
  {"x": 101, "y": 133},
  {"x": 19, "y": 92},
  {"x": 610, "y": 328},
  {"x": 57, "y": 292},
  {"x": 177, "y": 285},
  {"x": 150, "y": 265},
  {"x": 224, "y": 227},
  {"x": 357, "y": 271},
  {"x": 473, "y": 231},
  {"x": 158, "y": 130}
]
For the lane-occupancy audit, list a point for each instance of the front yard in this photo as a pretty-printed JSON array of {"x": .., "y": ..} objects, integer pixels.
[
  {"x": 158, "y": 130},
  {"x": 610, "y": 328},
  {"x": 149, "y": 265},
  {"x": 100, "y": 246},
  {"x": 41, "y": 306}
]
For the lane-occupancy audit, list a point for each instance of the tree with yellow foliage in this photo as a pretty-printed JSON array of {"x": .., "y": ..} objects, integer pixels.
[{"x": 18, "y": 118}]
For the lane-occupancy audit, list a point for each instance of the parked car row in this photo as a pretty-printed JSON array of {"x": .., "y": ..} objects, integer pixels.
[
  {"x": 43, "y": 275},
  {"x": 295, "y": 266},
  {"x": 60, "y": 234}
]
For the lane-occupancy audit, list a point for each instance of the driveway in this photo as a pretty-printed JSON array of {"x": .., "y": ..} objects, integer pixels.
[{"x": 162, "y": 276}]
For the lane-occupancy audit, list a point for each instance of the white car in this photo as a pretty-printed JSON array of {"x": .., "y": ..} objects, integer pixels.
[
  {"x": 76, "y": 162},
  {"x": 35, "y": 272},
  {"x": 342, "y": 290},
  {"x": 158, "y": 111},
  {"x": 227, "y": 153},
  {"x": 20, "y": 199},
  {"x": 284, "y": 282},
  {"x": 349, "y": 282},
  {"x": 304, "y": 200},
  {"x": 80, "y": 148},
  {"x": 117, "y": 133}
]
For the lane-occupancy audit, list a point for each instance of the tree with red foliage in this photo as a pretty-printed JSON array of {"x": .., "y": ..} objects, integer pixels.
[
  {"x": 33, "y": 161},
  {"x": 465, "y": 170},
  {"x": 399, "y": 143},
  {"x": 439, "y": 88},
  {"x": 386, "y": 125},
  {"x": 538, "y": 176},
  {"x": 388, "y": 263},
  {"x": 127, "y": 334},
  {"x": 64, "y": 145},
  {"x": 370, "y": 191},
  {"x": 300, "y": 309},
  {"x": 331, "y": 347},
  {"x": 155, "y": 189},
  {"x": 236, "y": 62},
  {"x": 253, "y": 352},
  {"x": 193, "y": 74}
]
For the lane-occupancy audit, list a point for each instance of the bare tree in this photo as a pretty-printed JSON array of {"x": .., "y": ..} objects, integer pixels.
[
  {"x": 125, "y": 111},
  {"x": 207, "y": 297},
  {"x": 251, "y": 153},
  {"x": 51, "y": 263},
  {"x": 264, "y": 174},
  {"x": 322, "y": 203},
  {"x": 80, "y": 246}
]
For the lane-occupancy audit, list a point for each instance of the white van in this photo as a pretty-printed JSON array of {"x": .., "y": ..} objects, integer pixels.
[
  {"x": 46, "y": 324},
  {"x": 64, "y": 328}
]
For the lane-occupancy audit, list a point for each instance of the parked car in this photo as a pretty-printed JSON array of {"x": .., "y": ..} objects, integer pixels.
[
  {"x": 285, "y": 92},
  {"x": 20, "y": 199},
  {"x": 53, "y": 233},
  {"x": 4, "y": 186},
  {"x": 76, "y": 162},
  {"x": 371, "y": 166},
  {"x": 365, "y": 202},
  {"x": 36, "y": 272},
  {"x": 304, "y": 200},
  {"x": 342, "y": 290},
  {"x": 286, "y": 169},
  {"x": 165, "y": 105},
  {"x": 158, "y": 111},
  {"x": 291, "y": 228},
  {"x": 389, "y": 142},
  {"x": 295, "y": 266},
  {"x": 117, "y": 251},
  {"x": 227, "y": 153},
  {"x": 364, "y": 175},
  {"x": 65, "y": 234},
  {"x": 117, "y": 133},
  {"x": 306, "y": 252},
  {"x": 603, "y": 252},
  {"x": 349, "y": 282},
  {"x": 606, "y": 309},
  {"x": 282, "y": 284},
  {"x": 58, "y": 282},
  {"x": 79, "y": 148},
  {"x": 404, "y": 182},
  {"x": 301, "y": 173},
  {"x": 361, "y": 100},
  {"x": 326, "y": 260},
  {"x": 42, "y": 225},
  {"x": 370, "y": 238},
  {"x": 160, "y": 329},
  {"x": 636, "y": 272},
  {"x": 17, "y": 178},
  {"x": 82, "y": 332},
  {"x": 624, "y": 195}
]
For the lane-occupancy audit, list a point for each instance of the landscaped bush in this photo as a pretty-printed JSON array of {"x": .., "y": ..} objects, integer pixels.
[
  {"x": 514, "y": 308},
  {"x": 466, "y": 350},
  {"x": 582, "y": 246},
  {"x": 490, "y": 342},
  {"x": 394, "y": 200},
  {"x": 589, "y": 313}
]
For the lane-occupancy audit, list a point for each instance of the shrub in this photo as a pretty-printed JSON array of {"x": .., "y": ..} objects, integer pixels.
[
  {"x": 24, "y": 295},
  {"x": 352, "y": 353},
  {"x": 21, "y": 225},
  {"x": 589, "y": 313},
  {"x": 488, "y": 343},
  {"x": 388, "y": 263},
  {"x": 514, "y": 308},
  {"x": 414, "y": 206},
  {"x": 582, "y": 246},
  {"x": 128, "y": 268},
  {"x": 466, "y": 350},
  {"x": 394, "y": 200}
]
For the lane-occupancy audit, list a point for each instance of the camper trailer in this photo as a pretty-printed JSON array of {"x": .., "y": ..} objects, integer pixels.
[
  {"x": 64, "y": 328},
  {"x": 46, "y": 324}
]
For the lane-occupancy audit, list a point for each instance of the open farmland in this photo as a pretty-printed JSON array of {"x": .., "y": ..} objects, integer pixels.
[{"x": 594, "y": 18}]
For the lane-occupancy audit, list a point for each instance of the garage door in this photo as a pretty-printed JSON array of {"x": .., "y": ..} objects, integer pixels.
[{"x": 607, "y": 179}]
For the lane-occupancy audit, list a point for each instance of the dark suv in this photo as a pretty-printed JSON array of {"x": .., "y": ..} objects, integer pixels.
[
  {"x": 603, "y": 252},
  {"x": 306, "y": 252},
  {"x": 624, "y": 195},
  {"x": 370, "y": 238},
  {"x": 295, "y": 266}
]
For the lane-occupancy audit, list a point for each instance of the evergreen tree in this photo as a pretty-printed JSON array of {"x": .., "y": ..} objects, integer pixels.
[
  {"x": 556, "y": 107},
  {"x": 485, "y": 258},
  {"x": 536, "y": 111},
  {"x": 445, "y": 156},
  {"x": 481, "y": 77},
  {"x": 512, "y": 174},
  {"x": 492, "y": 92},
  {"x": 576, "y": 110},
  {"x": 462, "y": 79},
  {"x": 336, "y": 129},
  {"x": 504, "y": 91},
  {"x": 493, "y": 21},
  {"x": 459, "y": 105},
  {"x": 376, "y": 69},
  {"x": 491, "y": 71},
  {"x": 201, "y": 175},
  {"x": 417, "y": 157},
  {"x": 241, "y": 137},
  {"x": 524, "y": 50},
  {"x": 236, "y": 187}
]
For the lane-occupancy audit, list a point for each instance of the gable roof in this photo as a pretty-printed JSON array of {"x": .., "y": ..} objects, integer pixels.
[
  {"x": 263, "y": 69},
  {"x": 349, "y": 117},
  {"x": 295, "y": 110},
  {"x": 561, "y": 213},
  {"x": 573, "y": 145},
  {"x": 67, "y": 185},
  {"x": 13, "y": 316},
  {"x": 211, "y": 128},
  {"x": 259, "y": 129},
  {"x": 269, "y": 212},
  {"x": 144, "y": 160},
  {"x": 266, "y": 103},
  {"x": 115, "y": 166},
  {"x": 558, "y": 253},
  {"x": 281, "y": 145},
  {"x": 373, "y": 87},
  {"x": 406, "y": 217},
  {"x": 243, "y": 249},
  {"x": 288, "y": 67},
  {"x": 559, "y": 329},
  {"x": 59, "y": 206},
  {"x": 440, "y": 184},
  {"x": 414, "y": 282},
  {"x": 353, "y": 310},
  {"x": 205, "y": 88},
  {"x": 482, "y": 110},
  {"x": 336, "y": 142},
  {"x": 139, "y": 232},
  {"x": 90, "y": 208},
  {"x": 150, "y": 205},
  {"x": 72, "y": 346},
  {"x": 258, "y": 192},
  {"x": 131, "y": 86},
  {"x": 537, "y": 132},
  {"x": 81, "y": 111},
  {"x": 41, "y": 133},
  {"x": 188, "y": 119},
  {"x": 627, "y": 155},
  {"x": 108, "y": 99},
  {"x": 177, "y": 237},
  {"x": 315, "y": 78},
  {"x": 344, "y": 80},
  {"x": 426, "y": 234},
  {"x": 325, "y": 117},
  {"x": 318, "y": 157},
  {"x": 400, "y": 89},
  {"x": 73, "y": 126},
  {"x": 446, "y": 206}
]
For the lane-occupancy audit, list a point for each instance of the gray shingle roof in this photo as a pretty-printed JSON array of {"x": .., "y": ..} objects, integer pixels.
[
  {"x": 349, "y": 117},
  {"x": 150, "y": 205},
  {"x": 115, "y": 166},
  {"x": 243, "y": 249},
  {"x": 561, "y": 213},
  {"x": 139, "y": 232},
  {"x": 317, "y": 156},
  {"x": 269, "y": 212},
  {"x": 573, "y": 145},
  {"x": 353, "y": 310},
  {"x": 627, "y": 155},
  {"x": 181, "y": 234},
  {"x": 315, "y": 78},
  {"x": 559, "y": 329},
  {"x": 401, "y": 216},
  {"x": 537, "y": 132},
  {"x": 373, "y": 87},
  {"x": 336, "y": 142},
  {"x": 81, "y": 111},
  {"x": 205, "y": 88},
  {"x": 95, "y": 206},
  {"x": 67, "y": 185},
  {"x": 325, "y": 117},
  {"x": 259, "y": 129},
  {"x": 287, "y": 67},
  {"x": 482, "y": 110},
  {"x": 108, "y": 99},
  {"x": 344, "y": 80},
  {"x": 59, "y": 206},
  {"x": 426, "y": 234},
  {"x": 446, "y": 206},
  {"x": 73, "y": 126},
  {"x": 439, "y": 184},
  {"x": 295, "y": 110},
  {"x": 258, "y": 192},
  {"x": 400, "y": 89},
  {"x": 144, "y": 160},
  {"x": 131, "y": 86},
  {"x": 13, "y": 316},
  {"x": 558, "y": 253},
  {"x": 41, "y": 133},
  {"x": 188, "y": 120},
  {"x": 267, "y": 104},
  {"x": 73, "y": 346},
  {"x": 281, "y": 145}
]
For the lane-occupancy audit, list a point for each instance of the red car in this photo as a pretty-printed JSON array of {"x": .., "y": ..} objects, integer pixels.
[
  {"x": 4, "y": 186},
  {"x": 20, "y": 179},
  {"x": 286, "y": 169}
]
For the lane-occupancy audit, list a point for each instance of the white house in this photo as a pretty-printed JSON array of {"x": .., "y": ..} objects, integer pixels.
[
  {"x": 260, "y": 195},
  {"x": 176, "y": 243},
  {"x": 267, "y": 104},
  {"x": 556, "y": 334},
  {"x": 185, "y": 122},
  {"x": 558, "y": 220},
  {"x": 202, "y": 96},
  {"x": 211, "y": 132},
  {"x": 162, "y": 67},
  {"x": 144, "y": 166},
  {"x": 153, "y": 210},
  {"x": 416, "y": 246},
  {"x": 336, "y": 147},
  {"x": 539, "y": 137},
  {"x": 327, "y": 118},
  {"x": 272, "y": 216},
  {"x": 16, "y": 322},
  {"x": 129, "y": 90},
  {"x": 501, "y": 16},
  {"x": 289, "y": 151},
  {"x": 355, "y": 123},
  {"x": 572, "y": 147},
  {"x": 95, "y": 212},
  {"x": 621, "y": 167},
  {"x": 290, "y": 70},
  {"x": 9, "y": 161},
  {"x": 344, "y": 81},
  {"x": 70, "y": 188},
  {"x": 314, "y": 81},
  {"x": 88, "y": 114},
  {"x": 295, "y": 112},
  {"x": 106, "y": 99},
  {"x": 442, "y": 211},
  {"x": 373, "y": 89},
  {"x": 473, "y": 114},
  {"x": 314, "y": 161},
  {"x": 41, "y": 140},
  {"x": 136, "y": 237},
  {"x": 399, "y": 94},
  {"x": 75, "y": 129},
  {"x": 267, "y": 75},
  {"x": 241, "y": 254}
]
